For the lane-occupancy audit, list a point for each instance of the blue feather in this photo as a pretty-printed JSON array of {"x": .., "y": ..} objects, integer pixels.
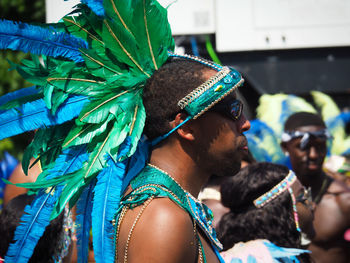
[
  {"x": 338, "y": 121},
  {"x": 7, "y": 165},
  {"x": 137, "y": 161},
  {"x": 108, "y": 190},
  {"x": 38, "y": 215},
  {"x": 96, "y": 6},
  {"x": 34, "y": 115},
  {"x": 83, "y": 222},
  {"x": 69, "y": 161},
  {"x": 33, "y": 223},
  {"x": 18, "y": 94},
  {"x": 286, "y": 109},
  {"x": 284, "y": 254},
  {"x": 41, "y": 41},
  {"x": 263, "y": 143}
]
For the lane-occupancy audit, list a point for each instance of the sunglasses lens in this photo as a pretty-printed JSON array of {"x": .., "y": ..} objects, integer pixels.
[
  {"x": 231, "y": 110},
  {"x": 236, "y": 109}
]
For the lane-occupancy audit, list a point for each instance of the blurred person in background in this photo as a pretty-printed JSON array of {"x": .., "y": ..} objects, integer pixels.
[
  {"x": 56, "y": 243},
  {"x": 305, "y": 142},
  {"x": 268, "y": 208}
]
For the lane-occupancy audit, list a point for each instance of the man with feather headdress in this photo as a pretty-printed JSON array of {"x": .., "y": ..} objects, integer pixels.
[{"x": 104, "y": 68}]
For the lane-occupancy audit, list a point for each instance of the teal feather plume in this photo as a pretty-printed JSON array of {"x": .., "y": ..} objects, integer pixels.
[
  {"x": 38, "y": 40},
  {"x": 9, "y": 97},
  {"x": 83, "y": 222},
  {"x": 33, "y": 223},
  {"x": 108, "y": 191},
  {"x": 111, "y": 73},
  {"x": 34, "y": 115},
  {"x": 96, "y": 6}
]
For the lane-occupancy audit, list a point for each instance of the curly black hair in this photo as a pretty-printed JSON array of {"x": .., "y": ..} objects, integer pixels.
[
  {"x": 48, "y": 244},
  {"x": 173, "y": 81},
  {"x": 244, "y": 222}
]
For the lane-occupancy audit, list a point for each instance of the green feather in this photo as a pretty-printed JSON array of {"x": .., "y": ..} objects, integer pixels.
[
  {"x": 121, "y": 11},
  {"x": 86, "y": 26},
  {"x": 122, "y": 45},
  {"x": 78, "y": 84},
  {"x": 99, "y": 66},
  {"x": 97, "y": 111},
  {"x": 58, "y": 97},
  {"x": 137, "y": 123},
  {"x": 84, "y": 134},
  {"x": 149, "y": 28}
]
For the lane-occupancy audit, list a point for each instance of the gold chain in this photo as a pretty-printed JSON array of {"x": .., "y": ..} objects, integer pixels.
[
  {"x": 121, "y": 217},
  {"x": 147, "y": 202},
  {"x": 133, "y": 227},
  {"x": 200, "y": 252}
]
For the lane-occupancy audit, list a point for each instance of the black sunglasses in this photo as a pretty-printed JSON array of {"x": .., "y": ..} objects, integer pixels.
[{"x": 232, "y": 110}]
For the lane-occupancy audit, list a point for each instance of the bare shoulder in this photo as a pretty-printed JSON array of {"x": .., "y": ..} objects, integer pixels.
[
  {"x": 18, "y": 176},
  {"x": 164, "y": 233},
  {"x": 341, "y": 193}
]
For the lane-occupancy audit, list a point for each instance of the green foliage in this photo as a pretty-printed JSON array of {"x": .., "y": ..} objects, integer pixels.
[{"x": 23, "y": 10}]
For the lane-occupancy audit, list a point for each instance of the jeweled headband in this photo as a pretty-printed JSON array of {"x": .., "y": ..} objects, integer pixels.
[
  {"x": 276, "y": 190},
  {"x": 207, "y": 94},
  {"x": 212, "y": 91}
]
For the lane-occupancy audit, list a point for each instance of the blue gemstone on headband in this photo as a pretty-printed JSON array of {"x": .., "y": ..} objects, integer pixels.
[
  {"x": 228, "y": 79},
  {"x": 236, "y": 75}
]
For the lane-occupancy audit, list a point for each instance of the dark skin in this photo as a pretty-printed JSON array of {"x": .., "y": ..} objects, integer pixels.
[
  {"x": 18, "y": 176},
  {"x": 332, "y": 213},
  {"x": 165, "y": 232}
]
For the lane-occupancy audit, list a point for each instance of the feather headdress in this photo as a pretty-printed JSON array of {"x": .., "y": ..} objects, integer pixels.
[
  {"x": 86, "y": 109},
  {"x": 265, "y": 135},
  {"x": 88, "y": 113}
]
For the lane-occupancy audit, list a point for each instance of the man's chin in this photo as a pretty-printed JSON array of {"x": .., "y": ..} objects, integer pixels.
[{"x": 312, "y": 171}]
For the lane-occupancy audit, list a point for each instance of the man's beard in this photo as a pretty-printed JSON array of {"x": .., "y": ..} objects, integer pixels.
[{"x": 227, "y": 165}]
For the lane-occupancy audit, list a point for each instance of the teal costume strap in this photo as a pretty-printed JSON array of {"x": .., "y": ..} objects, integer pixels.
[
  {"x": 201, "y": 213},
  {"x": 151, "y": 176}
]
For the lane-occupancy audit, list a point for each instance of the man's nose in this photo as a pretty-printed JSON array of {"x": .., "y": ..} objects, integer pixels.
[
  {"x": 244, "y": 124},
  {"x": 313, "y": 154}
]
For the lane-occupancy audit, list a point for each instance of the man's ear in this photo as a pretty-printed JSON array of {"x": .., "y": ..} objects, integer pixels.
[
  {"x": 185, "y": 131},
  {"x": 284, "y": 148}
]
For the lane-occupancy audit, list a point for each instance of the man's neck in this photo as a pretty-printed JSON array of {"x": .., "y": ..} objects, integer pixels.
[
  {"x": 179, "y": 165},
  {"x": 317, "y": 183}
]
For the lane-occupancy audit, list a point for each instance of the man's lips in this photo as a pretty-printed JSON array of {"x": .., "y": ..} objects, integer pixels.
[
  {"x": 313, "y": 166},
  {"x": 244, "y": 144}
]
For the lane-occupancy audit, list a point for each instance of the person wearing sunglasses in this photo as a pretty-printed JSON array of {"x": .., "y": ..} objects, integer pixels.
[
  {"x": 305, "y": 141},
  {"x": 268, "y": 209},
  {"x": 194, "y": 126}
]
